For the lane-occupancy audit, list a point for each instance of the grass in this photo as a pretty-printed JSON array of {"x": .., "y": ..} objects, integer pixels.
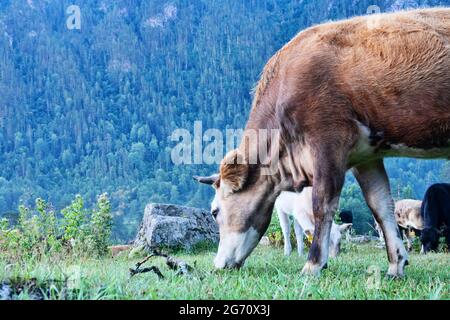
[{"x": 358, "y": 273}]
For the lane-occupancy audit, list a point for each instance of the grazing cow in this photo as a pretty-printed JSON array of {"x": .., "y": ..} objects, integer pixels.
[
  {"x": 435, "y": 215},
  {"x": 299, "y": 205},
  {"x": 339, "y": 96},
  {"x": 408, "y": 217}
]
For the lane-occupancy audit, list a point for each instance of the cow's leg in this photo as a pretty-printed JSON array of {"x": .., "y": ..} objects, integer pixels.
[
  {"x": 286, "y": 229},
  {"x": 374, "y": 183},
  {"x": 299, "y": 236},
  {"x": 406, "y": 233},
  {"x": 380, "y": 232},
  {"x": 328, "y": 180}
]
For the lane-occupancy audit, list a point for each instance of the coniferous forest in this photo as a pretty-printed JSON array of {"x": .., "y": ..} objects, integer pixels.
[{"x": 92, "y": 110}]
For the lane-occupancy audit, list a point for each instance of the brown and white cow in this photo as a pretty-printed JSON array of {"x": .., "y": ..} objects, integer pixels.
[
  {"x": 342, "y": 95},
  {"x": 408, "y": 215}
]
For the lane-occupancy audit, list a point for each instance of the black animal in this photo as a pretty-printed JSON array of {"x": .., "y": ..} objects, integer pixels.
[
  {"x": 436, "y": 216},
  {"x": 346, "y": 216}
]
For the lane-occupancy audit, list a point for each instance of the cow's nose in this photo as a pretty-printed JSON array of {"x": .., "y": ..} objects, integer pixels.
[{"x": 227, "y": 264}]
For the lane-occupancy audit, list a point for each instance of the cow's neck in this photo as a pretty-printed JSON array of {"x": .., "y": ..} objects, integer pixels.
[{"x": 289, "y": 161}]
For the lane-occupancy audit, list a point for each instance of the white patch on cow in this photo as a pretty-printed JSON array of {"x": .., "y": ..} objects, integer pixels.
[
  {"x": 214, "y": 203},
  {"x": 235, "y": 247},
  {"x": 362, "y": 149}
]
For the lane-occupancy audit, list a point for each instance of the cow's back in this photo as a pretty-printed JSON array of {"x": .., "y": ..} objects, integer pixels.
[
  {"x": 397, "y": 76},
  {"x": 390, "y": 72},
  {"x": 436, "y": 205}
]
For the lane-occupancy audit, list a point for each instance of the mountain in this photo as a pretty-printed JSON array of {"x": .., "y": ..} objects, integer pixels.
[{"x": 92, "y": 110}]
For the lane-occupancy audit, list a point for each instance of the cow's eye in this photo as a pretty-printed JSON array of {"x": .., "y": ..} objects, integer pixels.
[{"x": 215, "y": 212}]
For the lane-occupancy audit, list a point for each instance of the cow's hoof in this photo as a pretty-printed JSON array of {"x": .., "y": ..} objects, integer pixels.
[
  {"x": 394, "y": 276},
  {"x": 311, "y": 269},
  {"x": 395, "y": 271}
]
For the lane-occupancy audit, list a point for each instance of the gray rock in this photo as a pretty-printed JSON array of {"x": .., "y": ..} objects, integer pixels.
[{"x": 166, "y": 225}]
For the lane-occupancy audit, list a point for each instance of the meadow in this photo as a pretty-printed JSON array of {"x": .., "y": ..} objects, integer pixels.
[{"x": 358, "y": 273}]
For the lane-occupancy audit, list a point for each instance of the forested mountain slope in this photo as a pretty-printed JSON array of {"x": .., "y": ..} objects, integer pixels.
[{"x": 92, "y": 110}]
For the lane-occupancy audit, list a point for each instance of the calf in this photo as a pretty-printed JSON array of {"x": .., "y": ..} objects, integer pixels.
[
  {"x": 436, "y": 215},
  {"x": 408, "y": 217},
  {"x": 299, "y": 205}
]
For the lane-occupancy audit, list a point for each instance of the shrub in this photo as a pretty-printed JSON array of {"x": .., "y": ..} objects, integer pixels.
[
  {"x": 39, "y": 233},
  {"x": 101, "y": 224},
  {"x": 74, "y": 217}
]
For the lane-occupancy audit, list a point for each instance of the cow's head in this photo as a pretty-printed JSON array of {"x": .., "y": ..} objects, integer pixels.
[
  {"x": 430, "y": 239},
  {"x": 242, "y": 207}
]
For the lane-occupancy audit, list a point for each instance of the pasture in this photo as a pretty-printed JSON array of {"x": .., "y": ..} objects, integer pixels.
[{"x": 359, "y": 273}]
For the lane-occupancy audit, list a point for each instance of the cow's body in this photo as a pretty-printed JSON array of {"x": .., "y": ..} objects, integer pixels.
[
  {"x": 342, "y": 95},
  {"x": 409, "y": 219},
  {"x": 408, "y": 214},
  {"x": 299, "y": 206},
  {"x": 436, "y": 216}
]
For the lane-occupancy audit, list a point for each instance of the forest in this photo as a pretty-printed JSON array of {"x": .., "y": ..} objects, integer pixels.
[{"x": 90, "y": 111}]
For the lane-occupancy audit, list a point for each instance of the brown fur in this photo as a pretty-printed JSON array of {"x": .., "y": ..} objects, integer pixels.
[
  {"x": 233, "y": 171},
  {"x": 394, "y": 78}
]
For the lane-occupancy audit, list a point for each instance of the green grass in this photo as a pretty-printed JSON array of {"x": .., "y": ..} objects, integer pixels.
[{"x": 266, "y": 275}]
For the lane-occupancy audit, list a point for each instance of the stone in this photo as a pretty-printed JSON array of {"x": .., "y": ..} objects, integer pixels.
[{"x": 173, "y": 226}]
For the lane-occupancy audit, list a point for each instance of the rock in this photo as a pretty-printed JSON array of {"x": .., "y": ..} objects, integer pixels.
[{"x": 171, "y": 226}]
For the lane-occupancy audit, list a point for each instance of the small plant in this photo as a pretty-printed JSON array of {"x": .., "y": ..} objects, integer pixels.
[
  {"x": 101, "y": 225},
  {"x": 74, "y": 217},
  {"x": 40, "y": 233}
]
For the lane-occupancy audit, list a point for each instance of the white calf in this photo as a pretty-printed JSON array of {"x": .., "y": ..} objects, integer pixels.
[{"x": 299, "y": 205}]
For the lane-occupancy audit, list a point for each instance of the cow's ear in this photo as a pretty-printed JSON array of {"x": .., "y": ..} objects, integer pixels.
[
  {"x": 211, "y": 180},
  {"x": 345, "y": 226},
  {"x": 233, "y": 172}
]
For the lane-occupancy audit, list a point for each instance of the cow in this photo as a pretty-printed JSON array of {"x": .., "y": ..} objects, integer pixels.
[
  {"x": 407, "y": 214},
  {"x": 339, "y": 96},
  {"x": 436, "y": 215},
  {"x": 299, "y": 206}
]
